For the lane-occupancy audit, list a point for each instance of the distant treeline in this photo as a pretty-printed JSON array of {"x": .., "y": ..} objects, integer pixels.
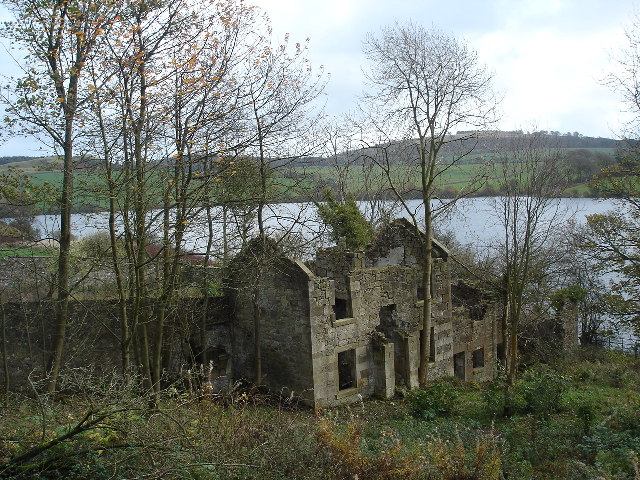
[{"x": 5, "y": 160}]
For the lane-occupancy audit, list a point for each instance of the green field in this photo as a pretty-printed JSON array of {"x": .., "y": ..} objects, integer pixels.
[{"x": 7, "y": 252}]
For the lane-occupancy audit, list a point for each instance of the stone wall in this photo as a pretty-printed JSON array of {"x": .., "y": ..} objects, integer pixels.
[
  {"x": 375, "y": 295},
  {"x": 279, "y": 293},
  {"x": 344, "y": 327},
  {"x": 92, "y": 339},
  {"x": 381, "y": 330}
]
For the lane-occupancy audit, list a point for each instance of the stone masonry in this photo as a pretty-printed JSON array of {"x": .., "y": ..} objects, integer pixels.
[{"x": 347, "y": 325}]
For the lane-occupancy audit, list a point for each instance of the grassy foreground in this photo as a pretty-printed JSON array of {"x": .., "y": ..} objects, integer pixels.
[{"x": 579, "y": 421}]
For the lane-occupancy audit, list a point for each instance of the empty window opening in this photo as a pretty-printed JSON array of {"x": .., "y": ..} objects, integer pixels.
[
  {"x": 340, "y": 308},
  {"x": 386, "y": 314},
  {"x": 420, "y": 292},
  {"x": 400, "y": 360},
  {"x": 346, "y": 369},
  {"x": 459, "y": 365},
  {"x": 216, "y": 362},
  {"x": 478, "y": 358},
  {"x": 500, "y": 352}
]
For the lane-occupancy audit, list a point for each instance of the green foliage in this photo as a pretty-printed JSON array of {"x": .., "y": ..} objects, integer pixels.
[
  {"x": 542, "y": 390},
  {"x": 605, "y": 374},
  {"x": 25, "y": 252},
  {"x": 593, "y": 432},
  {"x": 345, "y": 219},
  {"x": 539, "y": 392},
  {"x": 496, "y": 400},
  {"x": 575, "y": 294},
  {"x": 612, "y": 239},
  {"x": 438, "y": 399},
  {"x": 612, "y": 444},
  {"x": 95, "y": 246}
]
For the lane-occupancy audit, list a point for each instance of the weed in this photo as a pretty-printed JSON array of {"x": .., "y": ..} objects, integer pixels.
[
  {"x": 350, "y": 462},
  {"x": 455, "y": 459}
]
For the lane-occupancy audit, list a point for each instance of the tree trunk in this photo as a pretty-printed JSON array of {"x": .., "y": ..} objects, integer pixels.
[
  {"x": 5, "y": 353},
  {"x": 257, "y": 365},
  {"x": 62, "y": 285},
  {"x": 427, "y": 306}
]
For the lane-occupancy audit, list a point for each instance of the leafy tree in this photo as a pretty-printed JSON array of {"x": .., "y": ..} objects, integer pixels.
[
  {"x": 613, "y": 241},
  {"x": 345, "y": 220},
  {"x": 583, "y": 163},
  {"x": 48, "y": 101},
  {"x": 613, "y": 238}
]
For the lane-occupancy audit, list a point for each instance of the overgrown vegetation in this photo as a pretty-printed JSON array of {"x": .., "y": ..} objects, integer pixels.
[
  {"x": 579, "y": 420},
  {"x": 345, "y": 220}
]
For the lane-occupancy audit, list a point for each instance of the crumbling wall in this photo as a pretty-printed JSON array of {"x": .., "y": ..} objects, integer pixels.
[
  {"x": 443, "y": 328},
  {"x": 384, "y": 326},
  {"x": 477, "y": 334},
  {"x": 398, "y": 243},
  {"x": 370, "y": 291}
]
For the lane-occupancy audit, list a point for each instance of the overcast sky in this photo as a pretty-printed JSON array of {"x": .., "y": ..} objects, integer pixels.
[{"x": 548, "y": 56}]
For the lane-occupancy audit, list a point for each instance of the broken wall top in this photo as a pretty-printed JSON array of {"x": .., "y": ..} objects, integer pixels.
[{"x": 400, "y": 242}]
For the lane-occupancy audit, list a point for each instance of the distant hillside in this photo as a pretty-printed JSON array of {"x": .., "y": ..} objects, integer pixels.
[
  {"x": 29, "y": 164},
  {"x": 5, "y": 160},
  {"x": 488, "y": 143}
]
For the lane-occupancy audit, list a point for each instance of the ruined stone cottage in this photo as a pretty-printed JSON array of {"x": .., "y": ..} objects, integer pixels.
[{"x": 347, "y": 325}]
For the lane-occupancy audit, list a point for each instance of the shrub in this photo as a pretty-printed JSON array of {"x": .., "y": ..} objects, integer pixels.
[
  {"x": 586, "y": 406},
  {"x": 500, "y": 400},
  {"x": 542, "y": 390},
  {"x": 345, "y": 219},
  {"x": 609, "y": 369},
  {"x": 439, "y": 399}
]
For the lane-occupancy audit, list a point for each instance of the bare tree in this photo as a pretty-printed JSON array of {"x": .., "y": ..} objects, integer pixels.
[
  {"x": 353, "y": 173},
  {"x": 532, "y": 179},
  {"x": 425, "y": 86},
  {"x": 281, "y": 89},
  {"x": 165, "y": 105}
]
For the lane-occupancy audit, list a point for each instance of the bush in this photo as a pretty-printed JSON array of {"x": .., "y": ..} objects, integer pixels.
[
  {"x": 586, "y": 406},
  {"x": 609, "y": 369},
  {"x": 439, "y": 399},
  {"x": 345, "y": 219},
  {"x": 542, "y": 390}
]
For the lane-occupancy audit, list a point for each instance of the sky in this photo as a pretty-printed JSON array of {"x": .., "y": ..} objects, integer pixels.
[{"x": 548, "y": 57}]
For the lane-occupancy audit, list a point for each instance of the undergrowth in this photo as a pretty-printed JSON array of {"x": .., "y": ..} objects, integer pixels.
[{"x": 579, "y": 422}]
